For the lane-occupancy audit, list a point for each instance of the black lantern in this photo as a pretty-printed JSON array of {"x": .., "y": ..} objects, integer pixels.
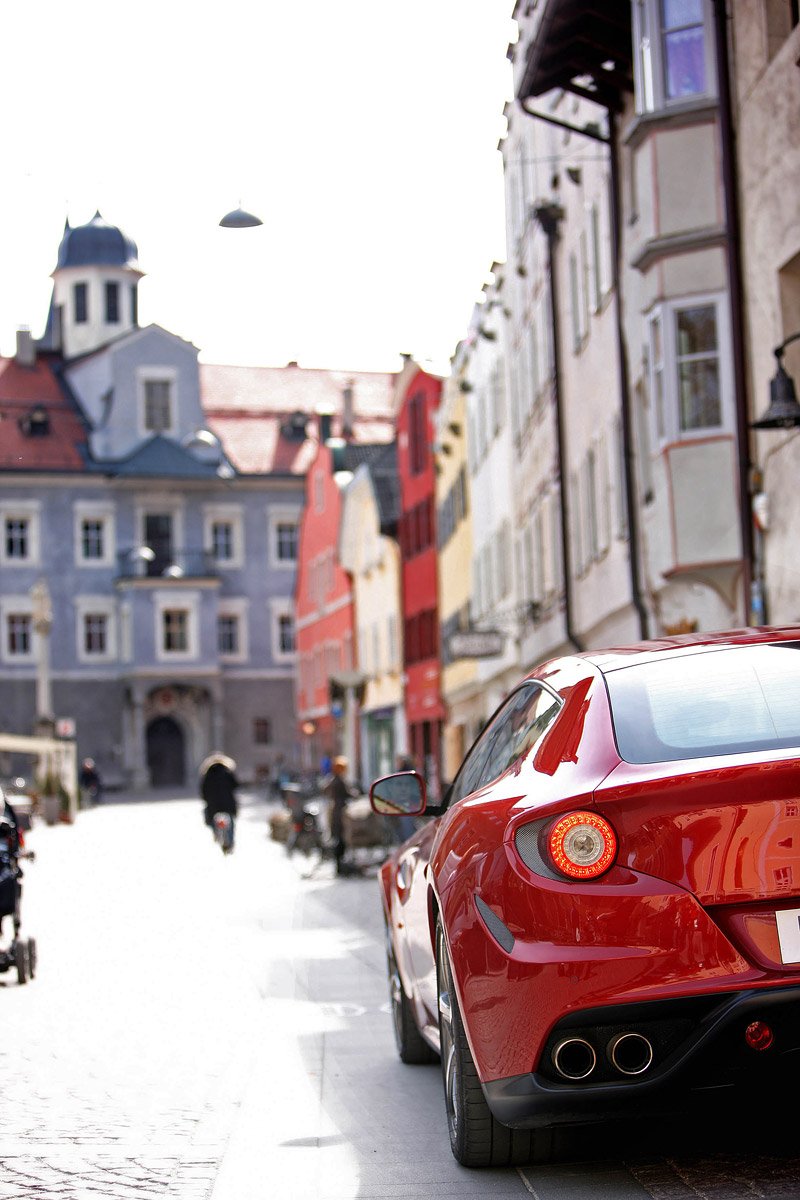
[{"x": 784, "y": 410}]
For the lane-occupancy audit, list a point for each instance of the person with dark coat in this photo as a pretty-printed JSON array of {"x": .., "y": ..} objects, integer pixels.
[
  {"x": 89, "y": 779},
  {"x": 218, "y": 784},
  {"x": 338, "y": 793}
]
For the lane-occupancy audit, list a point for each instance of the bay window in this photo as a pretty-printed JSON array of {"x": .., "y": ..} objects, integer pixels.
[{"x": 673, "y": 59}]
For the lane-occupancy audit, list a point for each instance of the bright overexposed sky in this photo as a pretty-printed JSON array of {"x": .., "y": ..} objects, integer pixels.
[{"x": 363, "y": 133}]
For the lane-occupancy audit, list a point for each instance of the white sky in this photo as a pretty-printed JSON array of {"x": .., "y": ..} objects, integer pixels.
[{"x": 363, "y": 133}]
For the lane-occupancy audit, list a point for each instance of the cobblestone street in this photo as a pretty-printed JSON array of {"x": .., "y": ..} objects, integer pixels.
[
  {"x": 203, "y": 1026},
  {"x": 211, "y": 1028}
]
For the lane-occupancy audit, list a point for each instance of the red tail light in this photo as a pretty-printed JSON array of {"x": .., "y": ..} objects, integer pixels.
[{"x": 582, "y": 845}]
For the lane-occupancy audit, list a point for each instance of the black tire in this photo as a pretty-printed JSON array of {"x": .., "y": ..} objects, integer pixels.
[
  {"x": 411, "y": 1045},
  {"x": 477, "y": 1138},
  {"x": 32, "y": 959},
  {"x": 21, "y": 962}
]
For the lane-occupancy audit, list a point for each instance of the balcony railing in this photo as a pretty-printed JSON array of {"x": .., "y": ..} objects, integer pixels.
[{"x": 142, "y": 562}]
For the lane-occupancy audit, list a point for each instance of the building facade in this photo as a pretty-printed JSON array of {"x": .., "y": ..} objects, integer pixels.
[{"x": 170, "y": 572}]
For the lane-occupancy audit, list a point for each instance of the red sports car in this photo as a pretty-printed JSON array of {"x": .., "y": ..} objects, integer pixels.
[{"x": 603, "y": 914}]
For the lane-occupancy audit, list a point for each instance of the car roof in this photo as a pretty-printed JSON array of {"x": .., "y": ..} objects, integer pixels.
[{"x": 615, "y": 658}]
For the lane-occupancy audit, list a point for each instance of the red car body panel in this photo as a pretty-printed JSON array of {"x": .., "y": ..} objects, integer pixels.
[{"x": 708, "y": 850}]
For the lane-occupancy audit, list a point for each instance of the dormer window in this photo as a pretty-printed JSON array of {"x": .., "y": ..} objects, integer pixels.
[
  {"x": 35, "y": 423},
  {"x": 157, "y": 400},
  {"x": 112, "y": 303},
  {"x": 81, "y": 296}
]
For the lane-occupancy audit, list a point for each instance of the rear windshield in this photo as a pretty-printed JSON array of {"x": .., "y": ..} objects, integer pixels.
[{"x": 741, "y": 699}]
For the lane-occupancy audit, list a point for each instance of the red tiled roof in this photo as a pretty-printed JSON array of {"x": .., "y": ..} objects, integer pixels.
[
  {"x": 21, "y": 388},
  {"x": 246, "y": 407},
  {"x": 292, "y": 388}
]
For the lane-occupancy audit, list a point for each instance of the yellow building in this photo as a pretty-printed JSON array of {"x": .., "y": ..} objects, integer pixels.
[{"x": 454, "y": 536}]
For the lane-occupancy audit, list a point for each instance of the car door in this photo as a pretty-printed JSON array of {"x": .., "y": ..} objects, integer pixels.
[{"x": 510, "y": 736}]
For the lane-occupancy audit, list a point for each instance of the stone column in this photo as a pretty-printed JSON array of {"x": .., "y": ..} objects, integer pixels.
[{"x": 137, "y": 752}]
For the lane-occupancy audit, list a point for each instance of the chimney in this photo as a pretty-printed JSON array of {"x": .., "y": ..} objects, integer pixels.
[
  {"x": 347, "y": 411},
  {"x": 26, "y": 350},
  {"x": 325, "y": 417}
]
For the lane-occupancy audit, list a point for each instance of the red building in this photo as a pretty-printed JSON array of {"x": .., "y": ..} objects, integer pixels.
[
  {"x": 324, "y": 613},
  {"x": 417, "y": 396}
]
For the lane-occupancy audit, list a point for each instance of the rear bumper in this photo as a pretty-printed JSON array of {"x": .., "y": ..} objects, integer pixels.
[{"x": 699, "y": 1049}]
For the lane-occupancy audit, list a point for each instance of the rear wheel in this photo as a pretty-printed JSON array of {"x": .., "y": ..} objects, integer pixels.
[
  {"x": 411, "y": 1045},
  {"x": 21, "y": 961},
  {"x": 477, "y": 1138},
  {"x": 31, "y": 957}
]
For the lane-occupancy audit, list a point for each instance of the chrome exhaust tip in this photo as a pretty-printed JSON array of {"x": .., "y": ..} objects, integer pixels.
[
  {"x": 630, "y": 1053},
  {"x": 574, "y": 1058}
]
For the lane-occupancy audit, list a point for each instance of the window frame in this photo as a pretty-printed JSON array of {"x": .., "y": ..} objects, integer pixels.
[
  {"x": 649, "y": 66},
  {"x": 168, "y": 601},
  {"x": 10, "y": 607},
  {"x": 28, "y": 511},
  {"x": 281, "y": 607},
  {"x": 95, "y": 606},
  {"x": 275, "y": 518},
  {"x": 667, "y": 367},
  {"x": 225, "y": 514},
  {"x": 83, "y": 511},
  {"x": 155, "y": 374}
]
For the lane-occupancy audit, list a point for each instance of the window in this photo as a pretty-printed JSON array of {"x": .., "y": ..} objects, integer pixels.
[
  {"x": 671, "y": 710},
  {"x": 222, "y": 540},
  {"x": 515, "y": 729},
  {"x": 17, "y": 538},
  {"x": 286, "y": 633},
  {"x": 19, "y": 533},
  {"x": 19, "y": 635},
  {"x": 92, "y": 539},
  {"x": 228, "y": 634},
  {"x": 690, "y": 373},
  {"x": 95, "y": 629},
  {"x": 286, "y": 535},
  {"x": 81, "y": 296},
  {"x": 262, "y": 731},
  {"x": 673, "y": 60},
  {"x": 112, "y": 303},
  {"x": 175, "y": 629},
  {"x": 134, "y": 305},
  {"x": 157, "y": 405},
  {"x": 284, "y": 643},
  {"x": 95, "y": 633},
  {"x": 417, "y": 434}
]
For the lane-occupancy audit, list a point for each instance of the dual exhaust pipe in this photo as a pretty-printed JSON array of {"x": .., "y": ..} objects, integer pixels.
[{"x": 629, "y": 1053}]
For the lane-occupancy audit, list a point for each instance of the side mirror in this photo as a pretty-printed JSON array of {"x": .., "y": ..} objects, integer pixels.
[{"x": 399, "y": 795}]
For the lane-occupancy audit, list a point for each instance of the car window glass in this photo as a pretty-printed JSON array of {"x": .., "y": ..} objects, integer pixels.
[
  {"x": 740, "y": 699},
  {"x": 523, "y": 725},
  {"x": 511, "y": 734}
]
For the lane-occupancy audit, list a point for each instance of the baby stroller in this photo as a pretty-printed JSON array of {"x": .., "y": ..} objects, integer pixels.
[{"x": 21, "y": 952}]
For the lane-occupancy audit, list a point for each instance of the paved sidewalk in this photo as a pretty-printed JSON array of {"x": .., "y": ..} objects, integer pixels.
[{"x": 208, "y": 1027}]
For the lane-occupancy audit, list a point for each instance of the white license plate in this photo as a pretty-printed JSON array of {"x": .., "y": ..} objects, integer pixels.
[{"x": 789, "y": 934}]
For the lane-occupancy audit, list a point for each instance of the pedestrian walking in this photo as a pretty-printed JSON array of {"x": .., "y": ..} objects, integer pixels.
[
  {"x": 404, "y": 826},
  {"x": 89, "y": 779},
  {"x": 218, "y": 784},
  {"x": 338, "y": 793}
]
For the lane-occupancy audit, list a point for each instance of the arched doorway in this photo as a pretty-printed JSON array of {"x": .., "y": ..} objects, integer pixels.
[{"x": 166, "y": 753}]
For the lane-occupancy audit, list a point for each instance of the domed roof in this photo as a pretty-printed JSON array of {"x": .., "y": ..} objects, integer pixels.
[{"x": 96, "y": 244}]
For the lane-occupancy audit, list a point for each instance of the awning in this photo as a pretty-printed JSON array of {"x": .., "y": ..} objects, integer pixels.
[{"x": 584, "y": 48}]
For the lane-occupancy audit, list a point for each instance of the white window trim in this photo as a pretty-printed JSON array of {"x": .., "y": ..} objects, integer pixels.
[
  {"x": 281, "y": 607},
  {"x": 231, "y": 513},
  {"x": 670, "y": 398},
  {"x": 103, "y": 606},
  {"x": 12, "y": 605},
  {"x": 86, "y": 510},
  {"x": 648, "y": 59},
  {"x": 190, "y": 601},
  {"x": 239, "y": 608},
  {"x": 156, "y": 374},
  {"x": 24, "y": 510},
  {"x": 276, "y": 517}
]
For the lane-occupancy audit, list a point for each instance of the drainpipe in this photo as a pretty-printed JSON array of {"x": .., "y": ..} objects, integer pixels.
[
  {"x": 549, "y": 216},
  {"x": 631, "y": 500},
  {"x": 736, "y": 292}
]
